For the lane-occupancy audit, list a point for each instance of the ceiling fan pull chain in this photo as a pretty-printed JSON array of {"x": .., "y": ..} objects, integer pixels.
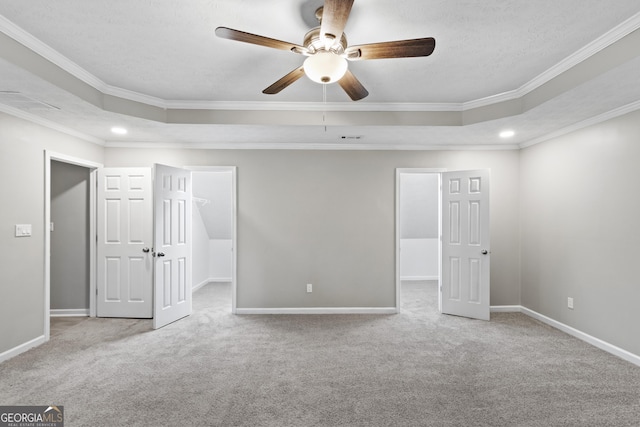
[{"x": 324, "y": 101}]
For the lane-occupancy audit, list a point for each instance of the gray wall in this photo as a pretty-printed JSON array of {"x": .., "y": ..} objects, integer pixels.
[
  {"x": 215, "y": 187},
  {"x": 70, "y": 238},
  {"x": 580, "y": 210},
  {"x": 419, "y": 206},
  {"x": 200, "y": 249},
  {"x": 215, "y": 219},
  {"x": 327, "y": 218},
  {"x": 22, "y": 146}
]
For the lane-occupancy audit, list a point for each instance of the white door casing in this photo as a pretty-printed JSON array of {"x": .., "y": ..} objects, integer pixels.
[
  {"x": 465, "y": 270},
  {"x": 399, "y": 197},
  {"x": 172, "y": 245},
  {"x": 124, "y": 233},
  {"x": 93, "y": 167}
]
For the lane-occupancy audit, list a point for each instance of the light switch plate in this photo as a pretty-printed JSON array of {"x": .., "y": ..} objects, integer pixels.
[{"x": 23, "y": 230}]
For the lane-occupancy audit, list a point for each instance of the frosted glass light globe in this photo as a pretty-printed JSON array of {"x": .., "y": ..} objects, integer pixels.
[{"x": 325, "y": 67}]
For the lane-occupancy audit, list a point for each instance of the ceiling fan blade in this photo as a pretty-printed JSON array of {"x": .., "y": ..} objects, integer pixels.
[
  {"x": 334, "y": 17},
  {"x": 287, "y": 80},
  {"x": 396, "y": 49},
  {"x": 241, "y": 36},
  {"x": 352, "y": 86}
]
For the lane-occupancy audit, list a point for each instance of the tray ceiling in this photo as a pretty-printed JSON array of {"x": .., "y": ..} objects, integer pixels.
[{"x": 156, "y": 67}]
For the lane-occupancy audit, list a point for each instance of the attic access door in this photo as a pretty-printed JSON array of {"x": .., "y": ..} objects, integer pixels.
[{"x": 464, "y": 282}]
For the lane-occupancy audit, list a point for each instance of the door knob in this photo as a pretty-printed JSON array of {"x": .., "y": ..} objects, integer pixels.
[
  {"x": 146, "y": 250},
  {"x": 160, "y": 254},
  {"x": 484, "y": 252}
]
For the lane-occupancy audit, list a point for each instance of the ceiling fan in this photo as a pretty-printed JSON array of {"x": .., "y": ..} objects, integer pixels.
[{"x": 328, "y": 53}]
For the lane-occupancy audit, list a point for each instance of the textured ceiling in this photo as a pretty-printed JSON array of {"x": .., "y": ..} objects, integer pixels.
[{"x": 157, "y": 68}]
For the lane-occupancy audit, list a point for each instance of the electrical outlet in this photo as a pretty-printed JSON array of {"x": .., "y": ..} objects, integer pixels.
[
  {"x": 570, "y": 303},
  {"x": 309, "y": 288}
]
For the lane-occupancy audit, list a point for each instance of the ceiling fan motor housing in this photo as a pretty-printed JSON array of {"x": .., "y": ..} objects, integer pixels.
[{"x": 314, "y": 42}]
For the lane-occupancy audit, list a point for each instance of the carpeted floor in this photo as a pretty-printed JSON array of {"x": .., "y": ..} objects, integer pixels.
[{"x": 418, "y": 368}]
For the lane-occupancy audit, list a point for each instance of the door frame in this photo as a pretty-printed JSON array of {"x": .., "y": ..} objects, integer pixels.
[
  {"x": 401, "y": 171},
  {"x": 234, "y": 224},
  {"x": 93, "y": 168}
]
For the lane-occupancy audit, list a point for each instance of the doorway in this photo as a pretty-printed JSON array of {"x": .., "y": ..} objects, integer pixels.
[
  {"x": 463, "y": 242},
  {"x": 89, "y": 168},
  {"x": 418, "y": 230},
  {"x": 214, "y": 227},
  {"x": 70, "y": 239}
]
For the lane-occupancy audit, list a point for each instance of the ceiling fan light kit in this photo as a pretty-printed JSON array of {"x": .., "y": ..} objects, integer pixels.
[
  {"x": 328, "y": 53},
  {"x": 325, "y": 67}
]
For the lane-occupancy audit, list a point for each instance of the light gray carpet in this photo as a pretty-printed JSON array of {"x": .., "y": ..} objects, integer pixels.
[{"x": 418, "y": 368}]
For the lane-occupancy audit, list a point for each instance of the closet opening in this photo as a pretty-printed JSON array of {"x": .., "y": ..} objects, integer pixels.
[{"x": 214, "y": 228}]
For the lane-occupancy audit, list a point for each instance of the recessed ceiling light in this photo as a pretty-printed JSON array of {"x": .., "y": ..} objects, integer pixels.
[
  {"x": 119, "y": 130},
  {"x": 507, "y": 134}
]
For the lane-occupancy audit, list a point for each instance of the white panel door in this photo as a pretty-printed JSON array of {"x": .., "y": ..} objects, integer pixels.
[
  {"x": 172, "y": 238},
  {"x": 125, "y": 233},
  {"x": 465, "y": 244}
]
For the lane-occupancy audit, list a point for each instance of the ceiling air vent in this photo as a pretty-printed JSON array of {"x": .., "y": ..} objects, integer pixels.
[{"x": 22, "y": 102}]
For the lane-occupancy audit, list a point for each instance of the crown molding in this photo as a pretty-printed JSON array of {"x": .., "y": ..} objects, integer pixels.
[
  {"x": 308, "y": 146},
  {"x": 50, "y": 54},
  {"x": 620, "y": 111},
  {"x": 311, "y": 106},
  {"x": 132, "y": 96},
  {"x": 606, "y": 40},
  {"x": 49, "y": 124},
  {"x": 20, "y": 35}
]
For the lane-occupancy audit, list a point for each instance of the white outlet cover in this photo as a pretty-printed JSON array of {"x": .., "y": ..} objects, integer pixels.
[{"x": 23, "y": 230}]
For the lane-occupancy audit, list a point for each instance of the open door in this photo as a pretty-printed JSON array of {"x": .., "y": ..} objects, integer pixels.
[
  {"x": 464, "y": 282},
  {"x": 124, "y": 233},
  {"x": 172, "y": 238}
]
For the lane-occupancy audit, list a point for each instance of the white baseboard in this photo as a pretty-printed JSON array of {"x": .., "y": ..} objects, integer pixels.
[
  {"x": 211, "y": 280},
  {"x": 319, "y": 310},
  {"x": 69, "y": 312},
  {"x": 417, "y": 278},
  {"x": 22, "y": 348},
  {"x": 199, "y": 285},
  {"x": 596, "y": 342},
  {"x": 506, "y": 309}
]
